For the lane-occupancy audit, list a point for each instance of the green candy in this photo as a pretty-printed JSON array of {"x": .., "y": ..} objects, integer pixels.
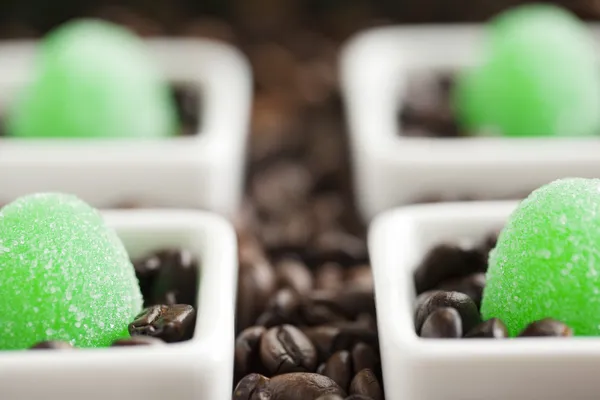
[
  {"x": 546, "y": 263},
  {"x": 93, "y": 79},
  {"x": 64, "y": 275},
  {"x": 539, "y": 77}
]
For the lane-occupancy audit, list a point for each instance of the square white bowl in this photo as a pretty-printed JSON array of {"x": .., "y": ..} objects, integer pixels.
[
  {"x": 200, "y": 171},
  {"x": 392, "y": 170},
  {"x": 200, "y": 368},
  {"x": 474, "y": 369}
]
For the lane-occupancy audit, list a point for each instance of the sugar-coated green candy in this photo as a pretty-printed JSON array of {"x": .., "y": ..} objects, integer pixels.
[
  {"x": 64, "y": 275},
  {"x": 93, "y": 79},
  {"x": 546, "y": 263},
  {"x": 538, "y": 77}
]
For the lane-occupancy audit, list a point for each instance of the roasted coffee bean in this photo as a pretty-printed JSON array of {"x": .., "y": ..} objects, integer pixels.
[
  {"x": 360, "y": 277},
  {"x": 249, "y": 386},
  {"x": 323, "y": 338},
  {"x": 171, "y": 323},
  {"x": 492, "y": 328},
  {"x": 331, "y": 397},
  {"x": 138, "y": 341},
  {"x": 187, "y": 101},
  {"x": 442, "y": 323},
  {"x": 547, "y": 327},
  {"x": 256, "y": 283},
  {"x": 364, "y": 357},
  {"x": 300, "y": 386},
  {"x": 177, "y": 278},
  {"x": 339, "y": 246},
  {"x": 365, "y": 383},
  {"x": 146, "y": 270},
  {"x": 53, "y": 345},
  {"x": 461, "y": 302},
  {"x": 329, "y": 277},
  {"x": 321, "y": 368},
  {"x": 283, "y": 308},
  {"x": 351, "y": 301},
  {"x": 286, "y": 349},
  {"x": 446, "y": 262},
  {"x": 288, "y": 234},
  {"x": 314, "y": 311},
  {"x": 294, "y": 274},
  {"x": 339, "y": 368},
  {"x": 247, "y": 350},
  {"x": 471, "y": 285}
]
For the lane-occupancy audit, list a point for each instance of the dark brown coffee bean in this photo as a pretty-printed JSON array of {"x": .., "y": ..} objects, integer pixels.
[
  {"x": 471, "y": 285},
  {"x": 247, "y": 350},
  {"x": 249, "y": 386},
  {"x": 286, "y": 349},
  {"x": 360, "y": 277},
  {"x": 331, "y": 397},
  {"x": 339, "y": 368},
  {"x": 329, "y": 277},
  {"x": 364, "y": 357},
  {"x": 290, "y": 233},
  {"x": 146, "y": 270},
  {"x": 365, "y": 383},
  {"x": 177, "y": 279},
  {"x": 283, "y": 308},
  {"x": 171, "y": 323},
  {"x": 317, "y": 309},
  {"x": 446, "y": 262},
  {"x": 350, "y": 301},
  {"x": 323, "y": 338},
  {"x": 493, "y": 329},
  {"x": 300, "y": 386},
  {"x": 350, "y": 336},
  {"x": 294, "y": 274},
  {"x": 138, "y": 341},
  {"x": 461, "y": 302},
  {"x": 53, "y": 345},
  {"x": 321, "y": 368},
  {"x": 340, "y": 247},
  {"x": 442, "y": 323},
  {"x": 256, "y": 283},
  {"x": 547, "y": 327},
  {"x": 187, "y": 101}
]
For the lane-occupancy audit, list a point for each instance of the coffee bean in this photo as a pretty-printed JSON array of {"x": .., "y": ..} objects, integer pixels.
[
  {"x": 286, "y": 349},
  {"x": 361, "y": 277},
  {"x": 138, "y": 341},
  {"x": 53, "y": 345},
  {"x": 177, "y": 278},
  {"x": 339, "y": 246},
  {"x": 187, "y": 101},
  {"x": 249, "y": 386},
  {"x": 247, "y": 350},
  {"x": 472, "y": 285},
  {"x": 446, "y": 262},
  {"x": 442, "y": 323},
  {"x": 321, "y": 368},
  {"x": 146, "y": 270},
  {"x": 256, "y": 283},
  {"x": 352, "y": 301},
  {"x": 339, "y": 368},
  {"x": 290, "y": 233},
  {"x": 365, "y": 383},
  {"x": 294, "y": 274},
  {"x": 364, "y": 357},
  {"x": 331, "y": 397},
  {"x": 319, "y": 308},
  {"x": 171, "y": 323},
  {"x": 547, "y": 327},
  {"x": 283, "y": 308},
  {"x": 329, "y": 277},
  {"x": 461, "y": 302},
  {"x": 300, "y": 386},
  {"x": 323, "y": 338},
  {"x": 493, "y": 328}
]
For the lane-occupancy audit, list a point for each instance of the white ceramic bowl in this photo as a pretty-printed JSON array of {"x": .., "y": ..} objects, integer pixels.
[
  {"x": 392, "y": 170},
  {"x": 201, "y": 368},
  {"x": 474, "y": 369},
  {"x": 200, "y": 171}
]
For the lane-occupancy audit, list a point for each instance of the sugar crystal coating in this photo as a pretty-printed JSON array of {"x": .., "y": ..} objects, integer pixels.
[
  {"x": 546, "y": 263},
  {"x": 93, "y": 79},
  {"x": 539, "y": 77},
  {"x": 64, "y": 275}
]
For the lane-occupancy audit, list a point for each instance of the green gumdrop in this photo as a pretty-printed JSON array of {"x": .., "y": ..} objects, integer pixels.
[
  {"x": 547, "y": 260},
  {"x": 64, "y": 275},
  {"x": 539, "y": 77},
  {"x": 93, "y": 79}
]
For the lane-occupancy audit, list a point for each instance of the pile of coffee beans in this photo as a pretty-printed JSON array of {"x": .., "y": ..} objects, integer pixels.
[
  {"x": 449, "y": 284},
  {"x": 168, "y": 280}
]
